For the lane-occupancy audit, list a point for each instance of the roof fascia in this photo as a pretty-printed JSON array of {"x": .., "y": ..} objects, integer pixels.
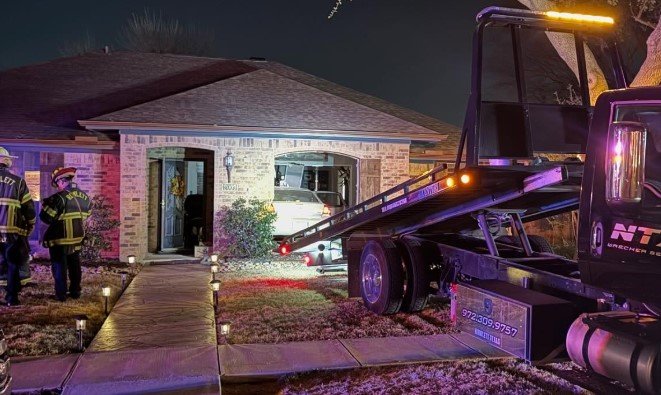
[{"x": 242, "y": 131}]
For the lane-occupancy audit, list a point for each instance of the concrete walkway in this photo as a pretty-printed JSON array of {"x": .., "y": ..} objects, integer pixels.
[
  {"x": 164, "y": 306},
  {"x": 161, "y": 338}
]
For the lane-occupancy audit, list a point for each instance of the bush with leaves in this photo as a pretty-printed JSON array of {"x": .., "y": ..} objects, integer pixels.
[
  {"x": 98, "y": 225},
  {"x": 245, "y": 228}
]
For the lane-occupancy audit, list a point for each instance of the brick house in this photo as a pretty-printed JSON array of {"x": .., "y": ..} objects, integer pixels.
[{"x": 146, "y": 130}]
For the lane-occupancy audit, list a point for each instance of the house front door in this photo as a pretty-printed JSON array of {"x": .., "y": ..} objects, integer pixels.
[{"x": 172, "y": 202}]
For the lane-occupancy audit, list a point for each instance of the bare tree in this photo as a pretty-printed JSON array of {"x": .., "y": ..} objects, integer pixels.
[
  {"x": 151, "y": 32},
  {"x": 644, "y": 13},
  {"x": 79, "y": 47}
]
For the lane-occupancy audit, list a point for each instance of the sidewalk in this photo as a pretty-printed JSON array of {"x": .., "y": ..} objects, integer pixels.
[{"x": 161, "y": 337}]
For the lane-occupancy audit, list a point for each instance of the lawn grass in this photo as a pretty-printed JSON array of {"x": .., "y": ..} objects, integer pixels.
[
  {"x": 42, "y": 325},
  {"x": 494, "y": 376},
  {"x": 280, "y": 301}
]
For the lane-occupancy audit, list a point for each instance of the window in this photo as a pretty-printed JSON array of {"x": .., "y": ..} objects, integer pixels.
[
  {"x": 650, "y": 116},
  {"x": 295, "y": 195}
]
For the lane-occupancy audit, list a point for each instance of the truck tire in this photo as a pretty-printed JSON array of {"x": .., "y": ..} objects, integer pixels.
[
  {"x": 381, "y": 277},
  {"x": 538, "y": 243},
  {"x": 416, "y": 256}
]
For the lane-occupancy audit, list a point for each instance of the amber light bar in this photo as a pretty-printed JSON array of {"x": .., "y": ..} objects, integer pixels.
[{"x": 580, "y": 17}]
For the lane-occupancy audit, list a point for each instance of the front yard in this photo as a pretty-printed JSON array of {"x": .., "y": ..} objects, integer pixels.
[
  {"x": 42, "y": 325},
  {"x": 280, "y": 300}
]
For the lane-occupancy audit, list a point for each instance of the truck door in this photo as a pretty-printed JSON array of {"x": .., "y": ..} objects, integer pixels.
[{"x": 625, "y": 214}]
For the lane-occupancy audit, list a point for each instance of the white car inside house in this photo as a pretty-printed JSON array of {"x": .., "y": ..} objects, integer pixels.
[
  {"x": 333, "y": 200},
  {"x": 297, "y": 209}
]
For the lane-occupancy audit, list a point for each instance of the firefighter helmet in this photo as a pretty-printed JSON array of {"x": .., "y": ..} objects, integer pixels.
[
  {"x": 5, "y": 158},
  {"x": 62, "y": 172}
]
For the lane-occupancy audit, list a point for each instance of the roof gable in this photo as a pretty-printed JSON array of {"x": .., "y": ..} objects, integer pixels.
[{"x": 262, "y": 99}]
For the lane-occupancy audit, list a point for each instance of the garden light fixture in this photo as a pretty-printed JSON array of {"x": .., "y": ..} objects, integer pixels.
[
  {"x": 228, "y": 162},
  {"x": 81, "y": 323},
  {"x": 131, "y": 259},
  {"x": 214, "y": 269},
  {"x": 225, "y": 328},
  {"x": 215, "y": 287},
  {"x": 123, "y": 275},
  {"x": 106, "y": 294},
  {"x": 213, "y": 258}
]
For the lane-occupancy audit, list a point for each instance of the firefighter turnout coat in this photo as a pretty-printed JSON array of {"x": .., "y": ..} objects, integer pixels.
[
  {"x": 17, "y": 215},
  {"x": 65, "y": 212}
]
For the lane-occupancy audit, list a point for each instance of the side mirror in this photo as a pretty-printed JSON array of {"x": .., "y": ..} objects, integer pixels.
[{"x": 625, "y": 163}]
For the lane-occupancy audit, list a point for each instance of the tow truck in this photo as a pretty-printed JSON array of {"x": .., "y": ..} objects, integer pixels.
[{"x": 438, "y": 233}]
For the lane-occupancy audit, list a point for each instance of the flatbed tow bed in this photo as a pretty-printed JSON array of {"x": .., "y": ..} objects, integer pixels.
[{"x": 416, "y": 206}]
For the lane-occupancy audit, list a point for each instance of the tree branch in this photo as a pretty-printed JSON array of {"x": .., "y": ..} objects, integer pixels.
[{"x": 638, "y": 17}]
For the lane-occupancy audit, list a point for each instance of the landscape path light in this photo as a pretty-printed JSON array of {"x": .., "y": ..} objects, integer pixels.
[
  {"x": 105, "y": 291},
  {"x": 215, "y": 287},
  {"x": 123, "y": 275},
  {"x": 213, "y": 258},
  {"x": 81, "y": 324},
  {"x": 225, "y": 328},
  {"x": 214, "y": 269},
  {"x": 131, "y": 259}
]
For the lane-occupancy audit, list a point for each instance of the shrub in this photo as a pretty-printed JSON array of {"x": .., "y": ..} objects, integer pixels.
[
  {"x": 97, "y": 227},
  {"x": 244, "y": 228}
]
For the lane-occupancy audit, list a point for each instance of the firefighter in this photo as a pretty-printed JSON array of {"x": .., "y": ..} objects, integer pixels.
[
  {"x": 65, "y": 212},
  {"x": 17, "y": 219}
]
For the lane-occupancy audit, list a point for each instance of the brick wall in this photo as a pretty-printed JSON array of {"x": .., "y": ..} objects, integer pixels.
[
  {"x": 99, "y": 174},
  {"x": 252, "y": 175}
]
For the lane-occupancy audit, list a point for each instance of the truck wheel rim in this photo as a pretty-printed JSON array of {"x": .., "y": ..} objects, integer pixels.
[{"x": 371, "y": 278}]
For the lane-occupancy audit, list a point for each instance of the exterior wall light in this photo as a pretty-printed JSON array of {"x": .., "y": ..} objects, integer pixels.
[
  {"x": 105, "y": 291},
  {"x": 228, "y": 162},
  {"x": 131, "y": 259},
  {"x": 81, "y": 323},
  {"x": 225, "y": 328}
]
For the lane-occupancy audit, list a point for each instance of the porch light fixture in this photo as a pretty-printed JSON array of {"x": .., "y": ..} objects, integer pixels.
[
  {"x": 215, "y": 287},
  {"x": 228, "y": 162},
  {"x": 131, "y": 259},
  {"x": 225, "y": 328},
  {"x": 81, "y": 323},
  {"x": 105, "y": 291}
]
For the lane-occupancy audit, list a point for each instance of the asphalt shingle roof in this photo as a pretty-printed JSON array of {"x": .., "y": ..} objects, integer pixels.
[{"x": 46, "y": 101}]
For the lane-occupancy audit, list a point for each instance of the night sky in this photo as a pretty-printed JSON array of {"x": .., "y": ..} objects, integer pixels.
[{"x": 415, "y": 53}]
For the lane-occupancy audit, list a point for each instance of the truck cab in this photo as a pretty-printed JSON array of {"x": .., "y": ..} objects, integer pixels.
[{"x": 619, "y": 244}]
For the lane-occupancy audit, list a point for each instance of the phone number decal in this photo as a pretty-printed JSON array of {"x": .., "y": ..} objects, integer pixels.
[{"x": 489, "y": 322}]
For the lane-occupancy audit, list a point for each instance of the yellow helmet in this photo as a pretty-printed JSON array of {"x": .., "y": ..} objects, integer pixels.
[{"x": 5, "y": 158}]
